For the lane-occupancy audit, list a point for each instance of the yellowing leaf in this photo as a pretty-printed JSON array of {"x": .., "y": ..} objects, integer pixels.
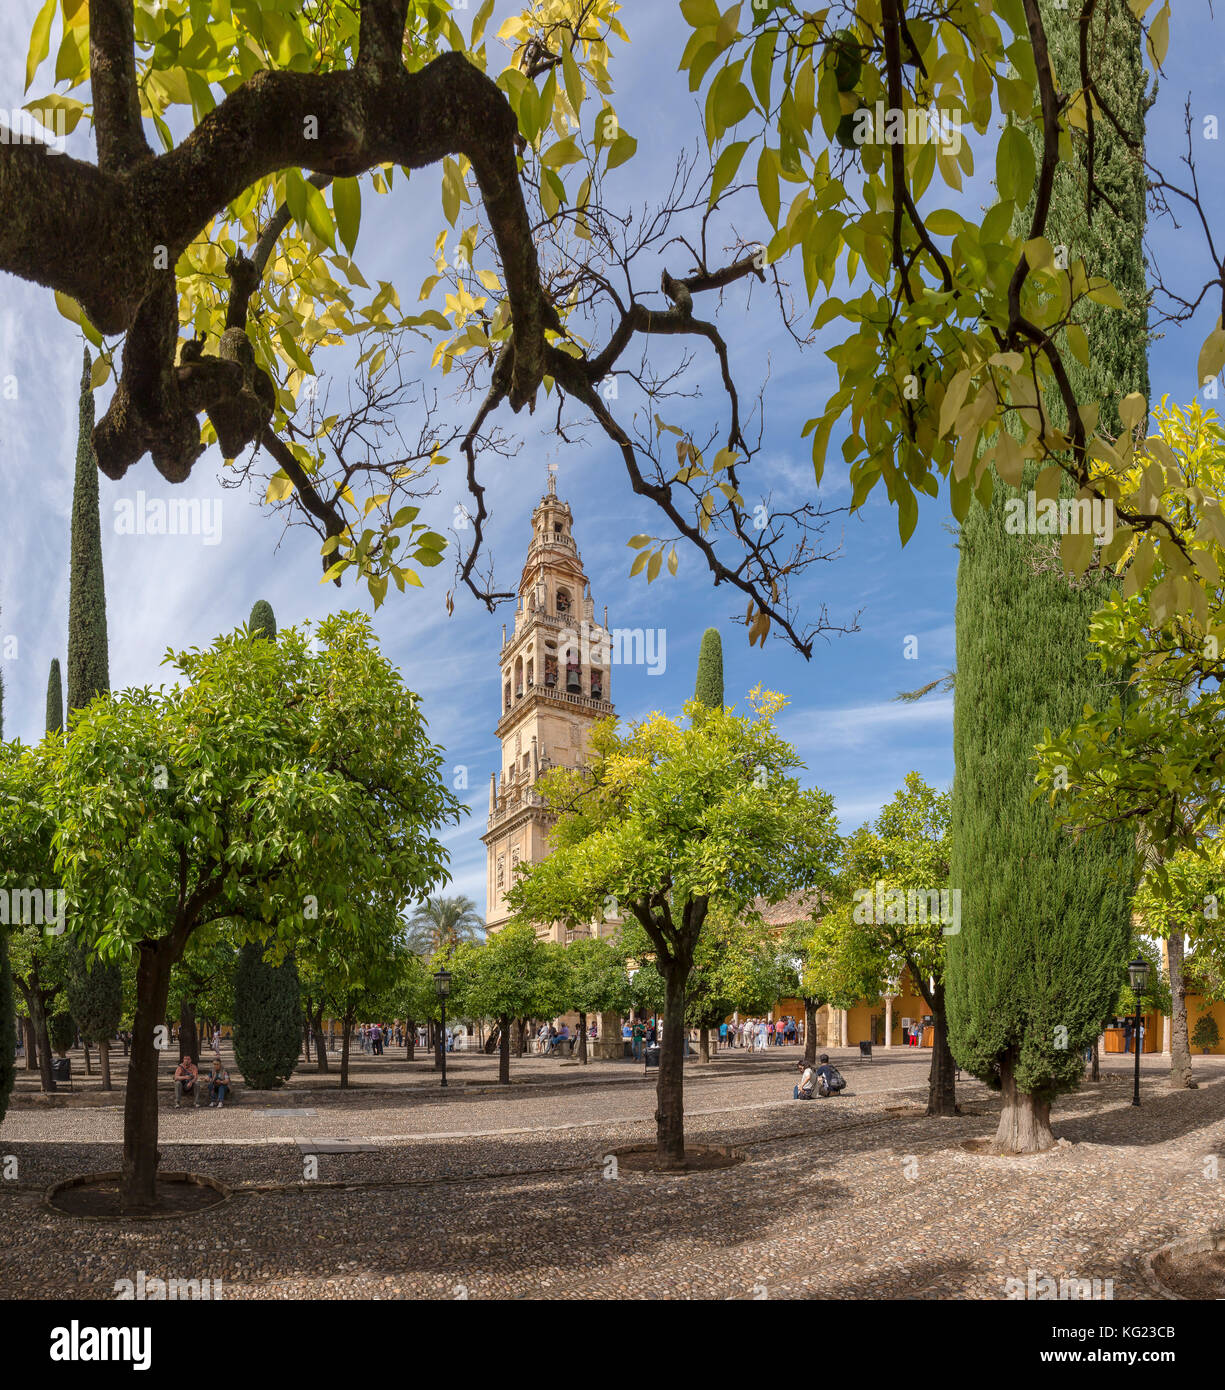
[
  {"x": 40, "y": 40},
  {"x": 1133, "y": 410},
  {"x": 1211, "y": 355},
  {"x": 279, "y": 487}
]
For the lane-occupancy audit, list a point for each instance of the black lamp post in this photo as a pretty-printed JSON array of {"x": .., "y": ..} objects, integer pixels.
[
  {"x": 1137, "y": 972},
  {"x": 442, "y": 987}
]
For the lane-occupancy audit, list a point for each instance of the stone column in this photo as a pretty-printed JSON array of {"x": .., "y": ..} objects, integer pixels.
[
  {"x": 843, "y": 1023},
  {"x": 889, "y": 1020},
  {"x": 607, "y": 1047}
]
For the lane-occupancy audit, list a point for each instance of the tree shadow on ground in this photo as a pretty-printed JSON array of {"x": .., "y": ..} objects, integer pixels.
[{"x": 1180, "y": 1112}]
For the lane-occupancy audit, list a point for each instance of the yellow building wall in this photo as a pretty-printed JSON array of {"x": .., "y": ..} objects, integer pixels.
[
  {"x": 908, "y": 1004},
  {"x": 1196, "y": 1009}
]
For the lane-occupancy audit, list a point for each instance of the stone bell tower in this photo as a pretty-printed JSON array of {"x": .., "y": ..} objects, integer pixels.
[{"x": 556, "y": 681}]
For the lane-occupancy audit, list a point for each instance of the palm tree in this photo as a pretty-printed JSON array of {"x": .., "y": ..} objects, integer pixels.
[{"x": 440, "y": 922}]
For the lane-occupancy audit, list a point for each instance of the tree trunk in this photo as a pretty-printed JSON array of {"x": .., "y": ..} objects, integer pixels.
[
  {"x": 942, "y": 1085},
  {"x": 104, "y": 1059},
  {"x": 38, "y": 1014},
  {"x": 504, "y": 1050},
  {"x": 138, "y": 1184},
  {"x": 670, "y": 1088},
  {"x": 1093, "y": 1070},
  {"x": 189, "y": 1034},
  {"x": 1025, "y": 1124},
  {"x": 321, "y": 1052},
  {"x": 703, "y": 1044},
  {"x": 347, "y": 1028},
  {"x": 306, "y": 1037},
  {"x": 410, "y": 1040},
  {"x": 810, "y": 1031},
  {"x": 520, "y": 1030},
  {"x": 582, "y": 1037},
  {"x": 85, "y": 1050},
  {"x": 1180, "y": 1047},
  {"x": 27, "y": 1026}
]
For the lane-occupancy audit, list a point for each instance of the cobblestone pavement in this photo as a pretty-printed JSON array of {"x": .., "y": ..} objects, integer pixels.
[{"x": 502, "y": 1194}]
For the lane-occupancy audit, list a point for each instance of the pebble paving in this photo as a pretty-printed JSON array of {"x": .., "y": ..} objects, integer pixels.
[{"x": 514, "y": 1195}]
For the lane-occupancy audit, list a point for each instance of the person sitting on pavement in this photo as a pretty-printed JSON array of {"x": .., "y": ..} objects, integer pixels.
[
  {"x": 185, "y": 1075},
  {"x": 808, "y": 1080},
  {"x": 218, "y": 1085},
  {"x": 829, "y": 1078}
]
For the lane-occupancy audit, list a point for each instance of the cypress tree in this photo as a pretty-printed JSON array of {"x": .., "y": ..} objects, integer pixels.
[
  {"x": 95, "y": 1000},
  {"x": 262, "y": 623},
  {"x": 88, "y": 667},
  {"x": 1045, "y": 918},
  {"x": 55, "y": 698},
  {"x": 709, "y": 686},
  {"x": 62, "y": 1029},
  {"x": 267, "y": 1018}
]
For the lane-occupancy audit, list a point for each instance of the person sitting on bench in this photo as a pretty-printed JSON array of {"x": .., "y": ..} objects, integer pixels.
[
  {"x": 185, "y": 1075},
  {"x": 218, "y": 1084}
]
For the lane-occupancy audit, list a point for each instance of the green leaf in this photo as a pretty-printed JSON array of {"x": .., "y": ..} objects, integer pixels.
[
  {"x": 1015, "y": 165},
  {"x": 767, "y": 183},
  {"x": 623, "y": 148},
  {"x": 725, "y": 170},
  {"x": 347, "y": 205},
  {"x": 319, "y": 216},
  {"x": 573, "y": 77}
]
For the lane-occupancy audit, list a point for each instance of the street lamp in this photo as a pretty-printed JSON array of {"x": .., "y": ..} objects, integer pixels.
[
  {"x": 442, "y": 987},
  {"x": 1137, "y": 972}
]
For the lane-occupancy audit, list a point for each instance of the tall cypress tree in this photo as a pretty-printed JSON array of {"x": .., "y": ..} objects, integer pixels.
[
  {"x": 88, "y": 666},
  {"x": 709, "y": 686},
  {"x": 1045, "y": 918},
  {"x": 262, "y": 622},
  {"x": 95, "y": 1000},
  {"x": 55, "y": 698},
  {"x": 267, "y": 1018}
]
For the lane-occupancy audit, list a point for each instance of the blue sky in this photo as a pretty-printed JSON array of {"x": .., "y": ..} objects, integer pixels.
[{"x": 855, "y": 740}]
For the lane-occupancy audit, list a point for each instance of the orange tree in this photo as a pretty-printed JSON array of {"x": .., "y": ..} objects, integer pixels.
[
  {"x": 668, "y": 823},
  {"x": 283, "y": 783}
]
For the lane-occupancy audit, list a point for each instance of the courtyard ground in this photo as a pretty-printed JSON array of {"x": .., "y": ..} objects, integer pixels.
[{"x": 486, "y": 1192}]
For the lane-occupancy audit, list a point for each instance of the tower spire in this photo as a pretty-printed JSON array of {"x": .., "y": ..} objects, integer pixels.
[{"x": 552, "y": 480}]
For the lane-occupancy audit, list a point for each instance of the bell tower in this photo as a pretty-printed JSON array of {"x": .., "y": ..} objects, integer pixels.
[{"x": 556, "y": 681}]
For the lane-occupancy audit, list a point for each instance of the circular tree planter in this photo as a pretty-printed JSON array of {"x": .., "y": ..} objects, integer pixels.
[
  {"x": 95, "y": 1197},
  {"x": 699, "y": 1158},
  {"x": 1191, "y": 1269}
]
